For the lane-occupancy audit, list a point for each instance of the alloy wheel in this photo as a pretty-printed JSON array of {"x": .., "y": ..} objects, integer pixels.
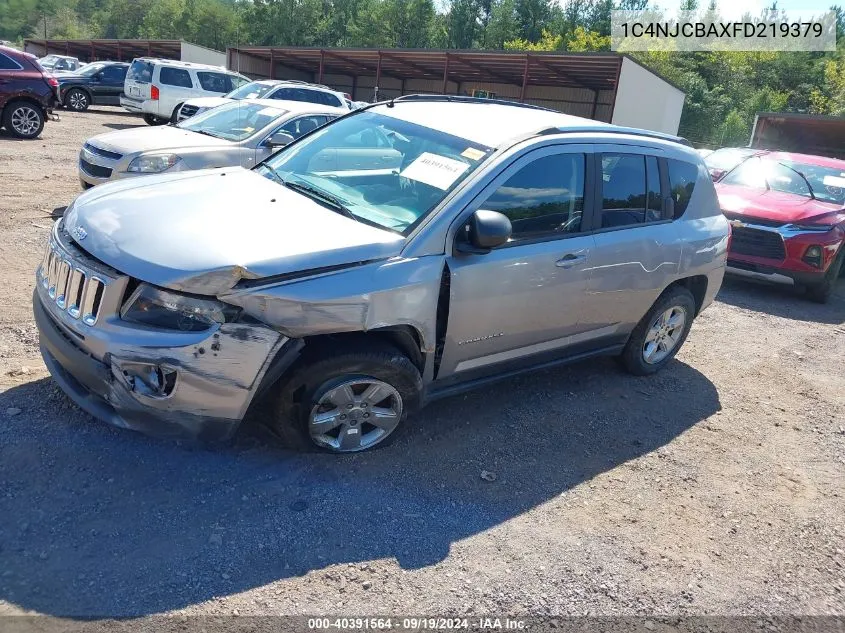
[
  {"x": 355, "y": 415},
  {"x": 664, "y": 334},
  {"x": 78, "y": 100},
  {"x": 25, "y": 120}
]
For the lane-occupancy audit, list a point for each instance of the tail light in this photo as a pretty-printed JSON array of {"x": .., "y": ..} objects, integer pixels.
[{"x": 154, "y": 93}]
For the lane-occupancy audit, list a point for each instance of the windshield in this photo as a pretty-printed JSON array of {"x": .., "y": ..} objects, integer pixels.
[
  {"x": 728, "y": 158},
  {"x": 385, "y": 171},
  {"x": 49, "y": 60},
  {"x": 89, "y": 69},
  {"x": 233, "y": 121},
  {"x": 823, "y": 183},
  {"x": 252, "y": 90}
]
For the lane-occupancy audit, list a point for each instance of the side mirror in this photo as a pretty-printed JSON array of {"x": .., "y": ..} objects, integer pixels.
[
  {"x": 484, "y": 231},
  {"x": 716, "y": 174},
  {"x": 279, "y": 139}
]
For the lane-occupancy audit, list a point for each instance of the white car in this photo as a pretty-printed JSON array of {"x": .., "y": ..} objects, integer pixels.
[
  {"x": 60, "y": 63},
  {"x": 238, "y": 134},
  {"x": 285, "y": 90},
  {"x": 157, "y": 88}
]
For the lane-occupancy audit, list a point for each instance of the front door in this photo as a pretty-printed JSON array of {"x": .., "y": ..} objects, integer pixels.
[{"x": 523, "y": 299}]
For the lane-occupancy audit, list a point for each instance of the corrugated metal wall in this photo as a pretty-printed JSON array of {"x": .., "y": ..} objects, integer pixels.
[{"x": 577, "y": 101}]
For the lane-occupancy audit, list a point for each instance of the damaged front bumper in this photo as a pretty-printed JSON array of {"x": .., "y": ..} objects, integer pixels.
[{"x": 195, "y": 385}]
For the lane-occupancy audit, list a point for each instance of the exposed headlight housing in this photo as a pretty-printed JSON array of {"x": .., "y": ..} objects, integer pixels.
[
  {"x": 813, "y": 256},
  {"x": 818, "y": 228},
  {"x": 153, "y": 163},
  {"x": 167, "y": 310}
]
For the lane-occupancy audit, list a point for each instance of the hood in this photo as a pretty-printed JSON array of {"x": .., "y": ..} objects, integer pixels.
[
  {"x": 774, "y": 205},
  {"x": 208, "y": 102},
  {"x": 159, "y": 138},
  {"x": 203, "y": 231}
]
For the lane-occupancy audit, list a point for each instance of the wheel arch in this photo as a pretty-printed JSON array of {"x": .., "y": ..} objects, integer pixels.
[
  {"x": 406, "y": 338},
  {"x": 696, "y": 284},
  {"x": 23, "y": 98}
]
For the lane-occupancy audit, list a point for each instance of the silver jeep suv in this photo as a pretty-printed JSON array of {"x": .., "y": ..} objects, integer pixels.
[{"x": 407, "y": 251}]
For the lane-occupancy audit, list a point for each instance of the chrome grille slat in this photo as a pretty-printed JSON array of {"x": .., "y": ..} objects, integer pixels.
[
  {"x": 75, "y": 288},
  {"x": 75, "y": 292},
  {"x": 61, "y": 284}
]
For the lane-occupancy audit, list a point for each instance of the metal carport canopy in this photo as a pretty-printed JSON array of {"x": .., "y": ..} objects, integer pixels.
[
  {"x": 112, "y": 50},
  {"x": 595, "y": 71}
]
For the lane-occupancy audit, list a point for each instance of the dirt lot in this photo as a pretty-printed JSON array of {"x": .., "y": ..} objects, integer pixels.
[{"x": 715, "y": 487}]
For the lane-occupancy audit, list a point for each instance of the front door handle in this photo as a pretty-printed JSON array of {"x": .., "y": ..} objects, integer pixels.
[{"x": 570, "y": 260}]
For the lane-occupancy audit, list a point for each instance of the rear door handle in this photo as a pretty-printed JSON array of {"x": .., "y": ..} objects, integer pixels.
[{"x": 570, "y": 260}]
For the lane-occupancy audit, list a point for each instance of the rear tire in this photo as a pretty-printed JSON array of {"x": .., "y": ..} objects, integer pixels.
[
  {"x": 77, "y": 100},
  {"x": 822, "y": 291},
  {"x": 151, "y": 119},
  {"x": 660, "y": 333},
  {"x": 23, "y": 119},
  {"x": 325, "y": 404}
]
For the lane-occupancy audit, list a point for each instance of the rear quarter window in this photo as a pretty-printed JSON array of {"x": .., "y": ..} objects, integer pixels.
[
  {"x": 140, "y": 71},
  {"x": 682, "y": 177},
  {"x": 175, "y": 77}
]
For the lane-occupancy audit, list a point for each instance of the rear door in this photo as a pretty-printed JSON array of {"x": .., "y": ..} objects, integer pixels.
[
  {"x": 638, "y": 248},
  {"x": 10, "y": 71},
  {"x": 139, "y": 80},
  {"x": 175, "y": 86},
  {"x": 522, "y": 301}
]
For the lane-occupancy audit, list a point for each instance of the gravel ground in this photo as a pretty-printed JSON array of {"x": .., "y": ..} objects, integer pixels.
[{"x": 712, "y": 488}]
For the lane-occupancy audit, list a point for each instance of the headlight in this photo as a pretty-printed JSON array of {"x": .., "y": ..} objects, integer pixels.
[
  {"x": 172, "y": 311},
  {"x": 153, "y": 164}
]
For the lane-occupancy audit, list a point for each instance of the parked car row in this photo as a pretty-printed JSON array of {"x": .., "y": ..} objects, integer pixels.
[{"x": 370, "y": 265}]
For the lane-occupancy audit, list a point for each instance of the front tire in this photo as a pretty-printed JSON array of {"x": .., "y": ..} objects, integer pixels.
[
  {"x": 151, "y": 119},
  {"x": 23, "y": 119},
  {"x": 346, "y": 400},
  {"x": 660, "y": 333},
  {"x": 77, "y": 100},
  {"x": 822, "y": 291}
]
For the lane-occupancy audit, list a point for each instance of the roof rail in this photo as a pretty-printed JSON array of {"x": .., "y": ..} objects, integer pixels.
[
  {"x": 462, "y": 99},
  {"x": 616, "y": 129}
]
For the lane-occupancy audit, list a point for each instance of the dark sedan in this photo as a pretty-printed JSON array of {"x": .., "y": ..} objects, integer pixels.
[{"x": 97, "y": 83}]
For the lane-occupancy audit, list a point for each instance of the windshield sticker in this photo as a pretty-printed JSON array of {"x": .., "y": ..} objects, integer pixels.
[
  {"x": 834, "y": 181},
  {"x": 437, "y": 171},
  {"x": 472, "y": 153},
  {"x": 268, "y": 112}
]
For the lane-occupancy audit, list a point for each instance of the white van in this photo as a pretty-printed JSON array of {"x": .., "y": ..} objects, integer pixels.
[{"x": 157, "y": 88}]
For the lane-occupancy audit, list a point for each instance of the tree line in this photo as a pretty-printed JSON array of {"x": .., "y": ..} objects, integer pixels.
[{"x": 724, "y": 90}]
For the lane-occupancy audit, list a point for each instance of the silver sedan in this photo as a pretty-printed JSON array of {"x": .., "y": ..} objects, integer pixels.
[{"x": 242, "y": 133}]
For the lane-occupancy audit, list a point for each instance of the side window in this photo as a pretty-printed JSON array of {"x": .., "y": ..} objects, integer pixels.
[
  {"x": 285, "y": 94},
  {"x": 682, "y": 177},
  {"x": 215, "y": 82},
  {"x": 114, "y": 73},
  {"x": 623, "y": 190},
  {"x": 303, "y": 125},
  {"x": 7, "y": 63},
  {"x": 543, "y": 199},
  {"x": 175, "y": 77}
]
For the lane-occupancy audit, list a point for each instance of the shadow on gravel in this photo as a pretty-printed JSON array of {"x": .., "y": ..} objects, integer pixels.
[
  {"x": 97, "y": 521},
  {"x": 783, "y": 301}
]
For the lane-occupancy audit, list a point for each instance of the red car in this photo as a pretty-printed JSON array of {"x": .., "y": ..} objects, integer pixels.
[
  {"x": 787, "y": 212},
  {"x": 28, "y": 93}
]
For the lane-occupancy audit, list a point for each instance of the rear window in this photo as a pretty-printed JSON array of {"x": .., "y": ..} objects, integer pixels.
[
  {"x": 682, "y": 177},
  {"x": 175, "y": 77},
  {"x": 140, "y": 72},
  {"x": 215, "y": 82}
]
